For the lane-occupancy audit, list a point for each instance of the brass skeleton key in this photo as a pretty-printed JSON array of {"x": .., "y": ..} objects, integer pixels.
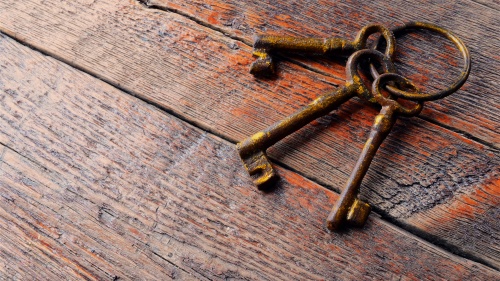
[
  {"x": 349, "y": 208},
  {"x": 253, "y": 149},
  {"x": 265, "y": 45}
]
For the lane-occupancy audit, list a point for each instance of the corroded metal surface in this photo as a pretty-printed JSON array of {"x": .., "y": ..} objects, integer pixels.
[
  {"x": 348, "y": 209},
  {"x": 348, "y": 206},
  {"x": 253, "y": 149},
  {"x": 459, "y": 81},
  {"x": 265, "y": 45}
]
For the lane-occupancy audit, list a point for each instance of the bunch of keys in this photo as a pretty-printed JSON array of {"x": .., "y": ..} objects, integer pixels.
[{"x": 348, "y": 209}]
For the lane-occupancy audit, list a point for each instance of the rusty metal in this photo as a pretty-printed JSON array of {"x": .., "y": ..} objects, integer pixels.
[
  {"x": 349, "y": 208},
  {"x": 253, "y": 149},
  {"x": 460, "y": 80},
  {"x": 265, "y": 46}
]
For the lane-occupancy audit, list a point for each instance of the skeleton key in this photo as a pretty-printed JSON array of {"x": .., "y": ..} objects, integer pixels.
[
  {"x": 349, "y": 208},
  {"x": 265, "y": 45},
  {"x": 253, "y": 149}
]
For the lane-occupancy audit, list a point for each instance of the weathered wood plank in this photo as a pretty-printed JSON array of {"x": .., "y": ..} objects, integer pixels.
[
  {"x": 428, "y": 60},
  {"x": 96, "y": 184},
  {"x": 420, "y": 174},
  {"x": 47, "y": 223}
]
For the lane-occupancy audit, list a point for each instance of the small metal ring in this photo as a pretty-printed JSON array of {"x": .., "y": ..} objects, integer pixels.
[
  {"x": 382, "y": 80},
  {"x": 458, "y": 82},
  {"x": 352, "y": 73},
  {"x": 370, "y": 29}
]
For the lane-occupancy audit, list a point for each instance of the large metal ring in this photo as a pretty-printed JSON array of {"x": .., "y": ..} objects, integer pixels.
[{"x": 458, "y": 82}]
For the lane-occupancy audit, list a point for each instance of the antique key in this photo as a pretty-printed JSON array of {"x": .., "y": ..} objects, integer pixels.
[
  {"x": 253, "y": 149},
  {"x": 265, "y": 45},
  {"x": 349, "y": 208}
]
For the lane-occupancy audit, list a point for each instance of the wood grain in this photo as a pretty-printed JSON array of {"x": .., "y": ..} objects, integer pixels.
[
  {"x": 421, "y": 174},
  {"x": 429, "y": 60},
  {"x": 98, "y": 185}
]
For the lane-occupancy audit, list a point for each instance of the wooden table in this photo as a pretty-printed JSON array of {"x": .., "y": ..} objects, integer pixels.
[{"x": 118, "y": 124}]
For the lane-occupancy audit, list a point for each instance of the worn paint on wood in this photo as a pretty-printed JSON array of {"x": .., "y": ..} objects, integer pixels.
[
  {"x": 419, "y": 174},
  {"x": 96, "y": 184}
]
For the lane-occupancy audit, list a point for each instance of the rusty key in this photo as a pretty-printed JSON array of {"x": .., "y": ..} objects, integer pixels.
[
  {"x": 349, "y": 208},
  {"x": 253, "y": 149},
  {"x": 265, "y": 45}
]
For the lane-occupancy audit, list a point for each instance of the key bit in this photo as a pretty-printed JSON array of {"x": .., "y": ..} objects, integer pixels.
[
  {"x": 253, "y": 149},
  {"x": 265, "y": 45},
  {"x": 358, "y": 213},
  {"x": 349, "y": 208},
  {"x": 260, "y": 169}
]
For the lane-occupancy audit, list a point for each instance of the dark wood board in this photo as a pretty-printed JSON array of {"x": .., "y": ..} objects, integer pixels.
[
  {"x": 434, "y": 182},
  {"x": 96, "y": 184}
]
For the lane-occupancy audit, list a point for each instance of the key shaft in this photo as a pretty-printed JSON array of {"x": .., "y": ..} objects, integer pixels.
[
  {"x": 345, "y": 209},
  {"x": 266, "y": 45},
  {"x": 279, "y": 130},
  {"x": 314, "y": 46},
  {"x": 253, "y": 149},
  {"x": 348, "y": 207}
]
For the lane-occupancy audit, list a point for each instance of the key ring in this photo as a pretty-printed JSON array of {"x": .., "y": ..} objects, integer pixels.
[
  {"x": 352, "y": 73},
  {"x": 252, "y": 150},
  {"x": 385, "y": 78},
  {"x": 443, "y": 93}
]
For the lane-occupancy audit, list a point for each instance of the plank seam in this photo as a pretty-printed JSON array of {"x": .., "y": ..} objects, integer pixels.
[
  {"x": 18, "y": 153},
  {"x": 193, "y": 123},
  {"x": 146, "y": 4},
  {"x": 437, "y": 241},
  {"x": 462, "y": 133}
]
